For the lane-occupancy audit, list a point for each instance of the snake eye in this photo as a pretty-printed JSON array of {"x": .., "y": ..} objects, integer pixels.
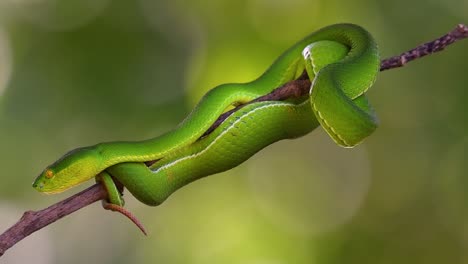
[{"x": 49, "y": 173}]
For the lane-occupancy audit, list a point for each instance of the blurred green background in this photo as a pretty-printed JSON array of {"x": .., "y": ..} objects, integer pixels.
[{"x": 78, "y": 72}]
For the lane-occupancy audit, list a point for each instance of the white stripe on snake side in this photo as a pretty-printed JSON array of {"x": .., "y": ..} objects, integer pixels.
[{"x": 251, "y": 112}]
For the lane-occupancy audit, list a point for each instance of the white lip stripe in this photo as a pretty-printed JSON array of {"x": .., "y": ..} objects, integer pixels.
[{"x": 240, "y": 119}]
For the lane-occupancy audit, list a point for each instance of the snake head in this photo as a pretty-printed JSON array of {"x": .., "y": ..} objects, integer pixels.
[{"x": 73, "y": 168}]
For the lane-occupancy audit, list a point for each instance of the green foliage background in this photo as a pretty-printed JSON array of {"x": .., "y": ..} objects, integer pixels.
[{"x": 74, "y": 73}]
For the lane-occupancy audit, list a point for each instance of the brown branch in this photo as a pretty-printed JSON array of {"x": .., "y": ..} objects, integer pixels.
[
  {"x": 32, "y": 221},
  {"x": 460, "y": 32}
]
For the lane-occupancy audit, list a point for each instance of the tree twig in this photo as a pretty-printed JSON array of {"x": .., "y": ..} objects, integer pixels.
[
  {"x": 460, "y": 32},
  {"x": 32, "y": 221}
]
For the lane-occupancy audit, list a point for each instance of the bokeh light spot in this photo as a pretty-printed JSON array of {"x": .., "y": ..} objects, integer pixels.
[
  {"x": 5, "y": 61},
  {"x": 310, "y": 185},
  {"x": 166, "y": 18},
  {"x": 56, "y": 15}
]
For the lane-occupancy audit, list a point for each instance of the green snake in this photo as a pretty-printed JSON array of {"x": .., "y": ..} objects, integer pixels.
[{"x": 342, "y": 62}]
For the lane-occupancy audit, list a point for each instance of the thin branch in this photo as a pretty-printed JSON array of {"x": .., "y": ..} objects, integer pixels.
[
  {"x": 32, "y": 221},
  {"x": 459, "y": 33}
]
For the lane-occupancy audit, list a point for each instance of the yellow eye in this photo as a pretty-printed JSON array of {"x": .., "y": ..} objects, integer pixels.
[{"x": 49, "y": 174}]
